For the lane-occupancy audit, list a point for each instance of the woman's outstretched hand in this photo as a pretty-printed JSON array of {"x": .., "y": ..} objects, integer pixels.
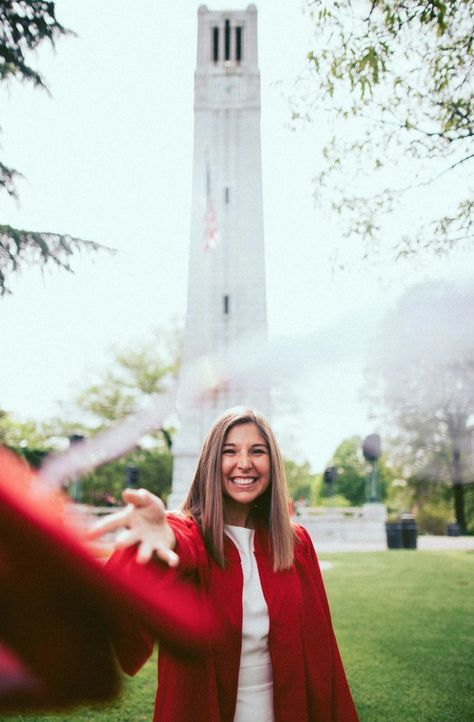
[{"x": 143, "y": 522}]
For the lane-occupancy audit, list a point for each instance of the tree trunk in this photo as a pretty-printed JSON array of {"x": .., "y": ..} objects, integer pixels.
[{"x": 458, "y": 491}]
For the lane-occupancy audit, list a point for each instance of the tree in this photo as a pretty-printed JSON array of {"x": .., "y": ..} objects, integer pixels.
[
  {"x": 154, "y": 473},
  {"x": 26, "y": 438},
  {"x": 353, "y": 472},
  {"x": 136, "y": 374},
  {"x": 424, "y": 363},
  {"x": 394, "y": 78},
  {"x": 23, "y": 27},
  {"x": 302, "y": 482}
]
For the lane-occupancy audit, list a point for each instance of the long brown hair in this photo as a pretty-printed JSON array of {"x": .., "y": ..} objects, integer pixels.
[{"x": 204, "y": 501}]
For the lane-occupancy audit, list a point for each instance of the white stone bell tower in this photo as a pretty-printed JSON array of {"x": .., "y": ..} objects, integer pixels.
[{"x": 226, "y": 287}]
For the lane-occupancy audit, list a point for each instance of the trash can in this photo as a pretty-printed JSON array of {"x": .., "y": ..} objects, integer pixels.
[
  {"x": 453, "y": 529},
  {"x": 409, "y": 531},
  {"x": 393, "y": 530}
]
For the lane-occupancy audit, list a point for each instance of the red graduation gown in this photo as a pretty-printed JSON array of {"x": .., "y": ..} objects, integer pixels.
[
  {"x": 59, "y": 607},
  {"x": 309, "y": 680}
]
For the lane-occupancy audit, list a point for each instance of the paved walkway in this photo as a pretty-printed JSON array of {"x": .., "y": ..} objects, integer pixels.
[
  {"x": 446, "y": 543},
  {"x": 425, "y": 543}
]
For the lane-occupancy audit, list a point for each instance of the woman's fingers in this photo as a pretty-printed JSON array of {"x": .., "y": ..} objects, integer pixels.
[
  {"x": 144, "y": 553},
  {"x": 145, "y": 520},
  {"x": 126, "y": 538},
  {"x": 110, "y": 523},
  {"x": 146, "y": 504},
  {"x": 137, "y": 500},
  {"x": 168, "y": 556},
  {"x": 137, "y": 497}
]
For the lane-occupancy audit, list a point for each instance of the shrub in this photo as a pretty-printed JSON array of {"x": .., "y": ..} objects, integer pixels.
[{"x": 432, "y": 517}]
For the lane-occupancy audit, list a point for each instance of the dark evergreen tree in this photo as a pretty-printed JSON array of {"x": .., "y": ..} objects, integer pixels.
[{"x": 23, "y": 27}]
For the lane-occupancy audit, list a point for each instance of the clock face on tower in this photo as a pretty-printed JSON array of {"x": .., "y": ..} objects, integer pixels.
[{"x": 228, "y": 89}]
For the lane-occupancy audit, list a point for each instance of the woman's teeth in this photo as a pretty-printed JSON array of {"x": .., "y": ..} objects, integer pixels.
[{"x": 243, "y": 481}]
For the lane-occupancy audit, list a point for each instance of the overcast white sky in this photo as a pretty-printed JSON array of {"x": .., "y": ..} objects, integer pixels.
[{"x": 108, "y": 158}]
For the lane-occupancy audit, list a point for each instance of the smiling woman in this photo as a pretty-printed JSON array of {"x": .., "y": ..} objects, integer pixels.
[
  {"x": 245, "y": 470},
  {"x": 239, "y": 448},
  {"x": 272, "y": 655}
]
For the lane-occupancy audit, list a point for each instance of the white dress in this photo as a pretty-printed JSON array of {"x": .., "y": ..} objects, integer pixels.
[{"x": 255, "y": 687}]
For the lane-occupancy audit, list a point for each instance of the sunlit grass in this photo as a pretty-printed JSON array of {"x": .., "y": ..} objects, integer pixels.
[{"x": 405, "y": 625}]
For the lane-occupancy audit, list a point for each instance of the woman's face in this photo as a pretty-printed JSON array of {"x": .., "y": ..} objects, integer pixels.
[{"x": 245, "y": 464}]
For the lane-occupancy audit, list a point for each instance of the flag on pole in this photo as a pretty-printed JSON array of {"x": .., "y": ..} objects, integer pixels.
[{"x": 211, "y": 228}]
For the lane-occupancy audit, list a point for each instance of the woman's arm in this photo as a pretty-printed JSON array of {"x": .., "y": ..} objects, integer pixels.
[{"x": 161, "y": 553}]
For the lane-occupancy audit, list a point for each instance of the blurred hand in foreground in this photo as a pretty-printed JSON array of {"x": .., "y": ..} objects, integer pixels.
[{"x": 143, "y": 522}]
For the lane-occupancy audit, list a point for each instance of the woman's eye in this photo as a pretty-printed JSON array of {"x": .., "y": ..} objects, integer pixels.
[{"x": 228, "y": 452}]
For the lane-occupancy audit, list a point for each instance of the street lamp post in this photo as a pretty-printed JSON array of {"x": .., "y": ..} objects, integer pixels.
[
  {"x": 76, "y": 484},
  {"x": 330, "y": 476},
  {"x": 371, "y": 449}
]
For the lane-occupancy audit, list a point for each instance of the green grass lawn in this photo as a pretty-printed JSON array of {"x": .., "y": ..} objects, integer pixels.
[{"x": 405, "y": 625}]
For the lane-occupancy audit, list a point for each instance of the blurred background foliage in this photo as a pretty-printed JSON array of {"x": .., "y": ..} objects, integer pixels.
[{"x": 416, "y": 472}]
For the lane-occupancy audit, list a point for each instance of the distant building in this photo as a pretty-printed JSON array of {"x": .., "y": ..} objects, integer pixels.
[{"x": 226, "y": 286}]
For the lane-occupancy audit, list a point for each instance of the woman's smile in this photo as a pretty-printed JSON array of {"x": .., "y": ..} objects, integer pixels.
[{"x": 243, "y": 480}]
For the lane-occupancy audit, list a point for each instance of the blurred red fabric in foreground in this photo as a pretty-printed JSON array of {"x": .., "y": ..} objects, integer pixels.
[{"x": 59, "y": 606}]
